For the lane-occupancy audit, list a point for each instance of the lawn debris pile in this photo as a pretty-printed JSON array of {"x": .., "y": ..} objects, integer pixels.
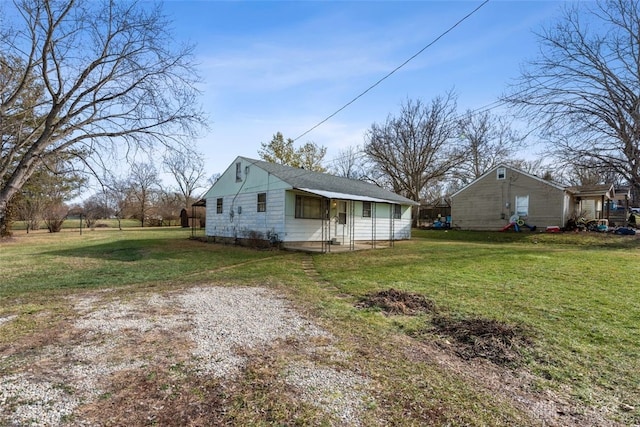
[
  {"x": 489, "y": 339},
  {"x": 393, "y": 301}
]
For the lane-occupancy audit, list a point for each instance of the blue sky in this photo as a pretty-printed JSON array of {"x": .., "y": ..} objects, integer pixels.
[{"x": 279, "y": 66}]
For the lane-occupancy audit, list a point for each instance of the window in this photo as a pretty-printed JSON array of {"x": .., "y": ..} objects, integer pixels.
[
  {"x": 310, "y": 207},
  {"x": 397, "y": 212},
  {"x": 366, "y": 209},
  {"x": 522, "y": 206},
  {"x": 501, "y": 173},
  {"x": 219, "y": 205},
  {"x": 262, "y": 202},
  {"x": 342, "y": 212},
  {"x": 238, "y": 171}
]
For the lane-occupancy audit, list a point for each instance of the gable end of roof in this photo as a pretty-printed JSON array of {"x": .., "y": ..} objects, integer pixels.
[{"x": 495, "y": 168}]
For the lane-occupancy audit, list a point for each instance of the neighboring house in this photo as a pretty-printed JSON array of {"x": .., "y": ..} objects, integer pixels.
[
  {"x": 254, "y": 199},
  {"x": 504, "y": 193},
  {"x": 590, "y": 201}
]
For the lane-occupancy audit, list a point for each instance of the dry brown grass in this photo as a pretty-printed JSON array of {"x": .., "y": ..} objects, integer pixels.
[{"x": 393, "y": 301}]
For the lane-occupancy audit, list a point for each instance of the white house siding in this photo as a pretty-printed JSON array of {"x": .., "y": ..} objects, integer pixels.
[
  {"x": 364, "y": 228},
  {"x": 246, "y": 220},
  {"x": 298, "y": 229},
  {"x": 243, "y": 194},
  {"x": 402, "y": 226},
  {"x": 380, "y": 223},
  {"x": 240, "y": 217}
]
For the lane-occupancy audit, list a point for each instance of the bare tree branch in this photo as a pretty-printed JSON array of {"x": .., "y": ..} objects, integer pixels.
[
  {"x": 97, "y": 75},
  {"x": 584, "y": 88},
  {"x": 416, "y": 148}
]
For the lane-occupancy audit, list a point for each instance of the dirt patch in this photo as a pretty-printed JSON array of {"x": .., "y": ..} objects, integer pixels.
[
  {"x": 393, "y": 301},
  {"x": 473, "y": 337},
  {"x": 158, "y": 395},
  {"x": 515, "y": 385},
  {"x": 490, "y": 339}
]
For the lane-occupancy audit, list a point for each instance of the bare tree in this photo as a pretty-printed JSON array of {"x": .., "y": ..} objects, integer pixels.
[
  {"x": 80, "y": 79},
  {"x": 54, "y": 216},
  {"x": 417, "y": 148},
  {"x": 187, "y": 168},
  {"x": 349, "y": 163},
  {"x": 118, "y": 197},
  {"x": 93, "y": 209},
  {"x": 535, "y": 167},
  {"x": 169, "y": 205},
  {"x": 579, "y": 175},
  {"x": 213, "y": 179},
  {"x": 144, "y": 183},
  {"x": 487, "y": 141},
  {"x": 48, "y": 188},
  {"x": 584, "y": 87}
]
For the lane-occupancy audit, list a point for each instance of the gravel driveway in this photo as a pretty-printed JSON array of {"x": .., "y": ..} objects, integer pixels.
[{"x": 209, "y": 328}]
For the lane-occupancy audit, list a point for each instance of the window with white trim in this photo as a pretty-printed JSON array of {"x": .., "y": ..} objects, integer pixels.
[
  {"x": 522, "y": 206},
  {"x": 501, "y": 173},
  {"x": 238, "y": 171},
  {"x": 342, "y": 212},
  {"x": 366, "y": 209},
  {"x": 310, "y": 207},
  {"x": 262, "y": 202},
  {"x": 219, "y": 205},
  {"x": 397, "y": 212}
]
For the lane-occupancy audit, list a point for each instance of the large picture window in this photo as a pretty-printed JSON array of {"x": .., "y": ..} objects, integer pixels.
[
  {"x": 309, "y": 207},
  {"x": 262, "y": 202},
  {"x": 219, "y": 205}
]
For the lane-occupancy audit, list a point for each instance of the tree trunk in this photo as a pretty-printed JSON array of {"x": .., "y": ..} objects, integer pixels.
[{"x": 5, "y": 220}]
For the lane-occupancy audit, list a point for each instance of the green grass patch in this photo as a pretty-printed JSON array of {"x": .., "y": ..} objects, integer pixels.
[
  {"x": 579, "y": 292},
  {"x": 44, "y": 262},
  {"x": 575, "y": 295}
]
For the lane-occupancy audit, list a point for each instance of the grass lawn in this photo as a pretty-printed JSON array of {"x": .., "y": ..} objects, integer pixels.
[{"x": 576, "y": 295}]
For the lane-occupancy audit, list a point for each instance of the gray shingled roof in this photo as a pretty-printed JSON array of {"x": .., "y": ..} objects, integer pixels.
[{"x": 308, "y": 180}]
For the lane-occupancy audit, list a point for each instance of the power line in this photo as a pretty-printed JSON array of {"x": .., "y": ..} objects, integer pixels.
[
  {"x": 394, "y": 70},
  {"x": 484, "y": 109}
]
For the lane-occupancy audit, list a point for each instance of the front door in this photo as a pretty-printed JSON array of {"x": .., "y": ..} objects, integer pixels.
[{"x": 340, "y": 218}]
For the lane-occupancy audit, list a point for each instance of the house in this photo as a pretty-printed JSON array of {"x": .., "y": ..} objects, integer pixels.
[
  {"x": 505, "y": 194},
  {"x": 591, "y": 200},
  {"x": 254, "y": 199}
]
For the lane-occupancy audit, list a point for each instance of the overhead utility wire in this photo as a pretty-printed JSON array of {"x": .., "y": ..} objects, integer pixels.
[{"x": 394, "y": 70}]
